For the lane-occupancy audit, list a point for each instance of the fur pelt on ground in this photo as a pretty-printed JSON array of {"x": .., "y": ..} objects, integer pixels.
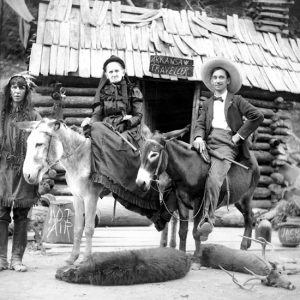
[{"x": 128, "y": 267}]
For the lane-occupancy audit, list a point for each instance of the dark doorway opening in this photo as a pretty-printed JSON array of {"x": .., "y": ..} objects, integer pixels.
[{"x": 168, "y": 105}]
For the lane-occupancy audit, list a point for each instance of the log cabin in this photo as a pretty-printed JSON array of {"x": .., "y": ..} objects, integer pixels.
[{"x": 75, "y": 37}]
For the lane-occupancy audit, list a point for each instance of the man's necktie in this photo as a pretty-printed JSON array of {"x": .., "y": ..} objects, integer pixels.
[{"x": 218, "y": 98}]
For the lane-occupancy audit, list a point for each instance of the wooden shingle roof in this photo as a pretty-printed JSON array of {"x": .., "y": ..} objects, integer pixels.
[{"x": 75, "y": 37}]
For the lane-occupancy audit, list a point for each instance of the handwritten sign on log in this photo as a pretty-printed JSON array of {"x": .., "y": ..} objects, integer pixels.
[{"x": 173, "y": 66}]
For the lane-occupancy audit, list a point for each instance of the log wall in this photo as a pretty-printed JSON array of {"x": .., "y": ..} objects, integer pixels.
[{"x": 269, "y": 141}]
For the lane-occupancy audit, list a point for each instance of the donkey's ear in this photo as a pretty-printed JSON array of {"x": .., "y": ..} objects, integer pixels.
[
  {"x": 27, "y": 125},
  {"x": 146, "y": 132}
]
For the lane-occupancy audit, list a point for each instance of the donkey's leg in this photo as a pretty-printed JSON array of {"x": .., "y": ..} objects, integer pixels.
[
  {"x": 90, "y": 204},
  {"x": 164, "y": 237},
  {"x": 78, "y": 229},
  {"x": 183, "y": 225},
  {"x": 244, "y": 206},
  {"x": 197, "y": 216},
  {"x": 173, "y": 224}
]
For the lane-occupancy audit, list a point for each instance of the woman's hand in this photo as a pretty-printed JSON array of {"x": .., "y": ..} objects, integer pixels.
[{"x": 126, "y": 117}]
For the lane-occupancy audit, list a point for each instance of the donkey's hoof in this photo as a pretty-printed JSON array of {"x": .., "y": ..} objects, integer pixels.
[
  {"x": 205, "y": 230},
  {"x": 71, "y": 259}
]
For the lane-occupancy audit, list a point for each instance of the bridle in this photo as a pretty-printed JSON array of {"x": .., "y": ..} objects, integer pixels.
[
  {"x": 156, "y": 180},
  {"x": 64, "y": 156}
]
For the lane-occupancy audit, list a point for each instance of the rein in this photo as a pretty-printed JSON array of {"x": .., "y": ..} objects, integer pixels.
[
  {"x": 161, "y": 193},
  {"x": 50, "y": 165}
]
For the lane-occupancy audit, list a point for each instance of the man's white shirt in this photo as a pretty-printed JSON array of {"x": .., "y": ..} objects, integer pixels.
[{"x": 219, "y": 120}]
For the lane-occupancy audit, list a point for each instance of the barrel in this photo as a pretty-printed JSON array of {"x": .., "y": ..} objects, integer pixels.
[{"x": 59, "y": 224}]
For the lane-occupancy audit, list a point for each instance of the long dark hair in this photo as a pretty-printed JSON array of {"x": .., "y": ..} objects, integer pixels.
[{"x": 7, "y": 105}]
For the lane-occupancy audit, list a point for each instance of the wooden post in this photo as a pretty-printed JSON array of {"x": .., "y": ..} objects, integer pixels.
[{"x": 196, "y": 103}]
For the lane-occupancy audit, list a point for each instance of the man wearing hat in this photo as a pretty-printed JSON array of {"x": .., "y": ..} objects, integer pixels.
[{"x": 221, "y": 128}]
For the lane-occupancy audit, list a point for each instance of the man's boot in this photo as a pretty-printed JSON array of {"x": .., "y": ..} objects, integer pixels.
[
  {"x": 19, "y": 245},
  {"x": 3, "y": 245}
]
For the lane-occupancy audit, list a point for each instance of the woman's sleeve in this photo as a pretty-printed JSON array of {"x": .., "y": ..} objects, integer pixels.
[
  {"x": 97, "y": 115},
  {"x": 137, "y": 108}
]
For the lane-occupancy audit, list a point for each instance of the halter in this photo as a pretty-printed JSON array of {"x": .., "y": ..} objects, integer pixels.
[
  {"x": 161, "y": 193},
  {"x": 50, "y": 165}
]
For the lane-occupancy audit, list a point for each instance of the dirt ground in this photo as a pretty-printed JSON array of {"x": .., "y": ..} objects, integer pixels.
[{"x": 40, "y": 283}]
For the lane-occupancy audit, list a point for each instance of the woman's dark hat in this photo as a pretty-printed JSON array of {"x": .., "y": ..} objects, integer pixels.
[
  {"x": 114, "y": 58},
  {"x": 232, "y": 68}
]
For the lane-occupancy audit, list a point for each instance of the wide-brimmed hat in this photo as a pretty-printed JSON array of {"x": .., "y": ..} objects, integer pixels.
[
  {"x": 114, "y": 58},
  {"x": 218, "y": 62}
]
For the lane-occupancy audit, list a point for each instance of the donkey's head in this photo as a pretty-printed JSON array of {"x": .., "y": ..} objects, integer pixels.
[
  {"x": 154, "y": 157},
  {"x": 43, "y": 148},
  {"x": 154, "y": 160}
]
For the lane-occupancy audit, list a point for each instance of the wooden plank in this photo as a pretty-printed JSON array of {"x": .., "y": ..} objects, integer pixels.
[
  {"x": 266, "y": 79},
  {"x": 96, "y": 12},
  {"x": 177, "y": 21},
  {"x": 96, "y": 67},
  {"x": 295, "y": 48},
  {"x": 60, "y": 61},
  {"x": 237, "y": 28},
  {"x": 137, "y": 62},
  {"x": 68, "y": 12},
  {"x": 273, "y": 79},
  {"x": 129, "y": 63},
  {"x": 275, "y": 44},
  {"x": 128, "y": 38},
  {"x": 67, "y": 61},
  {"x": 145, "y": 57},
  {"x": 56, "y": 31},
  {"x": 106, "y": 54},
  {"x": 289, "y": 50},
  {"x": 87, "y": 37},
  {"x": 154, "y": 37},
  {"x": 41, "y": 23},
  {"x": 190, "y": 42},
  {"x": 116, "y": 12},
  {"x": 64, "y": 31},
  {"x": 103, "y": 12},
  {"x": 145, "y": 38},
  {"x": 53, "y": 60},
  {"x": 61, "y": 11},
  {"x": 269, "y": 43},
  {"x": 230, "y": 26},
  {"x": 73, "y": 62},
  {"x": 244, "y": 31},
  {"x": 120, "y": 37},
  {"x": 203, "y": 22},
  {"x": 52, "y": 9},
  {"x": 181, "y": 46},
  {"x": 288, "y": 80},
  {"x": 167, "y": 23},
  {"x": 74, "y": 28},
  {"x": 193, "y": 27},
  {"x": 84, "y": 63},
  {"x": 45, "y": 61},
  {"x": 35, "y": 59},
  {"x": 134, "y": 37},
  {"x": 185, "y": 22},
  {"x": 93, "y": 38},
  {"x": 85, "y": 12},
  {"x": 48, "y": 33},
  {"x": 105, "y": 36}
]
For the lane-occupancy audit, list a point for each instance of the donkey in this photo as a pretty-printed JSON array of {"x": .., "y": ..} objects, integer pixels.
[
  {"x": 52, "y": 142},
  {"x": 186, "y": 168}
]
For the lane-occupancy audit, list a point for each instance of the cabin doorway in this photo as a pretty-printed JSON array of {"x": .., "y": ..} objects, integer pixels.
[{"x": 168, "y": 104}]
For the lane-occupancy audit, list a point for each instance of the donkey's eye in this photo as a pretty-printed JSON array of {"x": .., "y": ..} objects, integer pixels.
[{"x": 37, "y": 145}]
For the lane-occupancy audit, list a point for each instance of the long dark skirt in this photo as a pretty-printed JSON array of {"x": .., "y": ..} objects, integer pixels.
[{"x": 115, "y": 165}]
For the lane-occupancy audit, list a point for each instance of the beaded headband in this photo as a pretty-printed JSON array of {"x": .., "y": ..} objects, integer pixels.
[{"x": 27, "y": 77}]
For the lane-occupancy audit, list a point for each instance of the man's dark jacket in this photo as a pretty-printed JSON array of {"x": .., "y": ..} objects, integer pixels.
[{"x": 235, "y": 108}]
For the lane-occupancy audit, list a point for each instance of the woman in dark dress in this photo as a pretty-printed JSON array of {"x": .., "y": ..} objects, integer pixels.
[{"x": 16, "y": 194}]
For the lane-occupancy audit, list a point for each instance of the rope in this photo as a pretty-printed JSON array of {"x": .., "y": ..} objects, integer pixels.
[{"x": 166, "y": 207}]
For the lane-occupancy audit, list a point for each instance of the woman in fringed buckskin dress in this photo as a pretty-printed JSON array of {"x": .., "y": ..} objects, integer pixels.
[{"x": 16, "y": 194}]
